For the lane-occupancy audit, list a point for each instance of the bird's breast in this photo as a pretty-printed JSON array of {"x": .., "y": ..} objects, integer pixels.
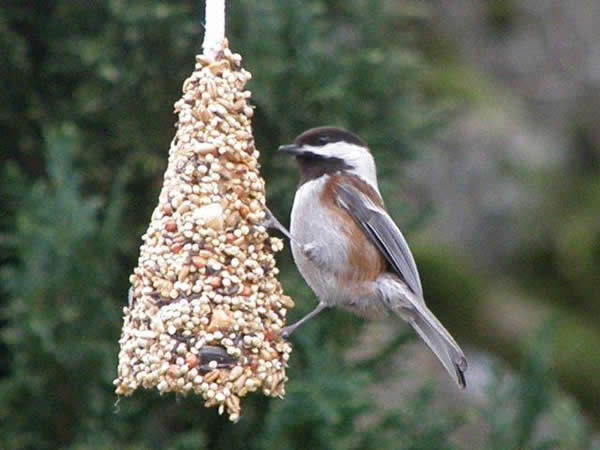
[
  {"x": 313, "y": 223},
  {"x": 344, "y": 262}
]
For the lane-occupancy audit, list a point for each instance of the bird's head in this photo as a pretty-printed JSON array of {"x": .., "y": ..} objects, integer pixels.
[{"x": 327, "y": 150}]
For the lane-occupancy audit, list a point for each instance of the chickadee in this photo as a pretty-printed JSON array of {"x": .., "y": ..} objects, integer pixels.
[{"x": 347, "y": 247}]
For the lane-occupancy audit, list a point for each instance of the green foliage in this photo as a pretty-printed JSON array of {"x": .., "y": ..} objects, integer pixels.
[
  {"x": 326, "y": 62},
  {"x": 500, "y": 15},
  {"x": 60, "y": 321},
  {"x": 87, "y": 118},
  {"x": 518, "y": 406}
]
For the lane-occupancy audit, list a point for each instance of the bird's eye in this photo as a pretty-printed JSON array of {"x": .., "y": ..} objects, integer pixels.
[{"x": 322, "y": 140}]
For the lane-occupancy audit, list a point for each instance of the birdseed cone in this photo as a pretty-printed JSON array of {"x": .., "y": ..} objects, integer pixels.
[{"x": 205, "y": 307}]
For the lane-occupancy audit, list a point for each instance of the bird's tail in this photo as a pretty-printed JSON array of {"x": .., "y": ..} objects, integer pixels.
[{"x": 438, "y": 339}]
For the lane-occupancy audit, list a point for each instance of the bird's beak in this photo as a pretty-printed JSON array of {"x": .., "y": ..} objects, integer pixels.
[{"x": 291, "y": 149}]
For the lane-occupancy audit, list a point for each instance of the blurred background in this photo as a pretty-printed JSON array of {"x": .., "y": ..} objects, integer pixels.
[{"x": 483, "y": 118}]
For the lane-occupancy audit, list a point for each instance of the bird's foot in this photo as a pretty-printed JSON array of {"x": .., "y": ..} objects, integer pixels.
[{"x": 270, "y": 221}]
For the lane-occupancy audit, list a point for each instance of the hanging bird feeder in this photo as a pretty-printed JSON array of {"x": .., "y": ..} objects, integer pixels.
[{"x": 205, "y": 309}]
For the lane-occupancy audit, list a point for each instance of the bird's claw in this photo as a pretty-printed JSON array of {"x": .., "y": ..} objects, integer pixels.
[
  {"x": 269, "y": 221},
  {"x": 286, "y": 333}
]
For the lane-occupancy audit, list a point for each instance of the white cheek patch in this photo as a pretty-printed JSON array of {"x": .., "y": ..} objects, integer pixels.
[{"x": 357, "y": 157}]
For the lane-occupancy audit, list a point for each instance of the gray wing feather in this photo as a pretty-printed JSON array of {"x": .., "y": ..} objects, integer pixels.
[
  {"x": 438, "y": 339},
  {"x": 383, "y": 232}
]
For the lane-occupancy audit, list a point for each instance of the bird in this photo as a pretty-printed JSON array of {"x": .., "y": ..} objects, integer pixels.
[{"x": 346, "y": 246}]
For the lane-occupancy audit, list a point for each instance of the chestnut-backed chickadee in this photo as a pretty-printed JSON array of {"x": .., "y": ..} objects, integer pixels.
[{"x": 347, "y": 247}]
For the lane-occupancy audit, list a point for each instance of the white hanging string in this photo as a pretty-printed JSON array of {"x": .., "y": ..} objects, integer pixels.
[{"x": 215, "y": 28}]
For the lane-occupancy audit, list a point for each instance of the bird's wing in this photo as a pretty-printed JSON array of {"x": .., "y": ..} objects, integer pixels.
[{"x": 382, "y": 231}]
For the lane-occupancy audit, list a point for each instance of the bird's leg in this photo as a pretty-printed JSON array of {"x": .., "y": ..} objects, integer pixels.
[
  {"x": 272, "y": 222},
  {"x": 310, "y": 250},
  {"x": 287, "y": 331}
]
